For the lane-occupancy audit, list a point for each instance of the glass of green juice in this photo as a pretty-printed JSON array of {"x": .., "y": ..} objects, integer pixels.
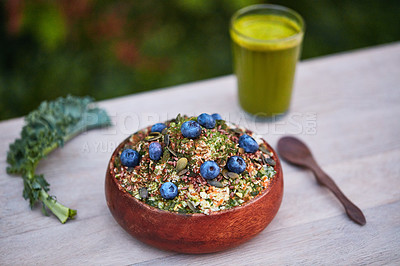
[{"x": 266, "y": 43}]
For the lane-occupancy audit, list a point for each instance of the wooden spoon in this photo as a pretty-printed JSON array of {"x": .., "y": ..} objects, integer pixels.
[{"x": 296, "y": 152}]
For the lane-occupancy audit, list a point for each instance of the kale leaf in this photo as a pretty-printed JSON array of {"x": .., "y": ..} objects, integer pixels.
[{"x": 45, "y": 129}]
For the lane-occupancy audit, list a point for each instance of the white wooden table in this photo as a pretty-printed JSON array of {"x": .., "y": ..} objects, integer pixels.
[{"x": 346, "y": 107}]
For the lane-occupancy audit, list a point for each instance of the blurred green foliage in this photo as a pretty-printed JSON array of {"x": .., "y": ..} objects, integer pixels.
[{"x": 106, "y": 49}]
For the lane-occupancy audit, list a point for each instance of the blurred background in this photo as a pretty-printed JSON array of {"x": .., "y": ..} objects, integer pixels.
[{"x": 106, "y": 49}]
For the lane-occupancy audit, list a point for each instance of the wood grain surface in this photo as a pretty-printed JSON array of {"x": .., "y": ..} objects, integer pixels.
[{"x": 346, "y": 107}]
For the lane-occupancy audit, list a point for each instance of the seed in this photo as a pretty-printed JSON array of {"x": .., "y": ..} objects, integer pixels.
[
  {"x": 154, "y": 134},
  {"x": 237, "y": 130},
  {"x": 143, "y": 193},
  {"x": 178, "y": 118},
  {"x": 225, "y": 173},
  {"x": 181, "y": 164},
  {"x": 233, "y": 175},
  {"x": 151, "y": 138},
  {"x": 241, "y": 150},
  {"x": 215, "y": 183},
  {"x": 166, "y": 140},
  {"x": 191, "y": 206},
  {"x": 263, "y": 159},
  {"x": 182, "y": 172},
  {"x": 270, "y": 161},
  {"x": 171, "y": 207},
  {"x": 166, "y": 156},
  {"x": 263, "y": 149},
  {"x": 172, "y": 152}
]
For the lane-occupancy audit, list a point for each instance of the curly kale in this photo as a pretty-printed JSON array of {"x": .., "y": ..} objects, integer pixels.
[{"x": 45, "y": 129}]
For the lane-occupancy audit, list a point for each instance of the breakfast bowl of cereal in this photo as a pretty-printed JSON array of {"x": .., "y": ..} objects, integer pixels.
[{"x": 194, "y": 184}]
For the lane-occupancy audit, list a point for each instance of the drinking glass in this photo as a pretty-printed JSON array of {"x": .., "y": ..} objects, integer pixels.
[{"x": 266, "y": 41}]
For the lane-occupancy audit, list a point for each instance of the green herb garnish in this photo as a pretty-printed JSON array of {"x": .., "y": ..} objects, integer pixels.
[{"x": 45, "y": 129}]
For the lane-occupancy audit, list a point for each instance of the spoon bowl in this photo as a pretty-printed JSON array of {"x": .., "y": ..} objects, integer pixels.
[{"x": 294, "y": 151}]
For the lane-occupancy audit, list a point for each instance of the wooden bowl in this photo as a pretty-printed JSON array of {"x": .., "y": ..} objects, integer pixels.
[{"x": 193, "y": 233}]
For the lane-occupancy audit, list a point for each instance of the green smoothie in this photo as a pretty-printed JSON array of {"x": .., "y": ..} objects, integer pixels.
[{"x": 266, "y": 48}]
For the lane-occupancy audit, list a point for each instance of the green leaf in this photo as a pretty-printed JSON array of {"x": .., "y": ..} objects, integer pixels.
[{"x": 46, "y": 128}]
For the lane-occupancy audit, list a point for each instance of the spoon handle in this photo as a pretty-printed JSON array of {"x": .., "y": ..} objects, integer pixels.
[{"x": 353, "y": 212}]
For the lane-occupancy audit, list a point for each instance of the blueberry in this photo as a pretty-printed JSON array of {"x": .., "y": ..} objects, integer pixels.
[
  {"x": 130, "y": 158},
  {"x": 191, "y": 129},
  {"x": 155, "y": 151},
  {"x": 236, "y": 164},
  {"x": 209, "y": 170},
  {"x": 168, "y": 190},
  {"x": 206, "y": 120},
  {"x": 216, "y": 116},
  {"x": 248, "y": 143},
  {"x": 158, "y": 127}
]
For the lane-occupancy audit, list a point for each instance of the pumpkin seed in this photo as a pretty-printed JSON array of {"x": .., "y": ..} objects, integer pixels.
[
  {"x": 178, "y": 118},
  {"x": 191, "y": 206},
  {"x": 182, "y": 172},
  {"x": 263, "y": 159},
  {"x": 225, "y": 173},
  {"x": 172, "y": 152},
  {"x": 215, "y": 183},
  {"x": 154, "y": 133},
  {"x": 233, "y": 175},
  {"x": 181, "y": 164},
  {"x": 151, "y": 138},
  {"x": 166, "y": 140},
  {"x": 254, "y": 193},
  {"x": 171, "y": 206},
  {"x": 143, "y": 193},
  {"x": 270, "y": 161},
  {"x": 166, "y": 155},
  {"x": 237, "y": 130},
  {"x": 182, "y": 211},
  {"x": 263, "y": 149}
]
